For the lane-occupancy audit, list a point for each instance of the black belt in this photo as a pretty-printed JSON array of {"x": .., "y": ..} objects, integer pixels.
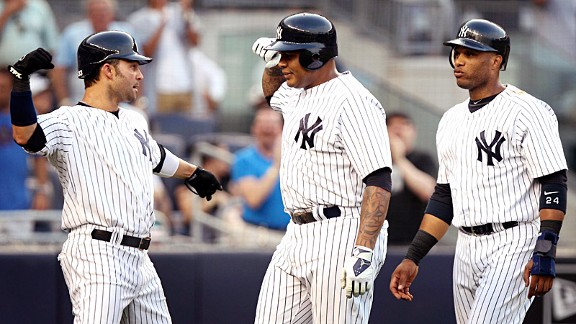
[
  {"x": 132, "y": 241},
  {"x": 308, "y": 217},
  {"x": 486, "y": 229}
]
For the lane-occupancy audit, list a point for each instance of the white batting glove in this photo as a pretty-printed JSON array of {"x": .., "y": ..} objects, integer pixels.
[
  {"x": 358, "y": 273},
  {"x": 271, "y": 57}
]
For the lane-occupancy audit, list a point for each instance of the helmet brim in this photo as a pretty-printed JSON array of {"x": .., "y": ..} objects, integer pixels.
[
  {"x": 470, "y": 43},
  {"x": 283, "y": 46},
  {"x": 135, "y": 57}
]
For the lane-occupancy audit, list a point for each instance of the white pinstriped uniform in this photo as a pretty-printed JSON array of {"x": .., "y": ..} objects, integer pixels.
[
  {"x": 521, "y": 141},
  {"x": 105, "y": 166},
  {"x": 343, "y": 141}
]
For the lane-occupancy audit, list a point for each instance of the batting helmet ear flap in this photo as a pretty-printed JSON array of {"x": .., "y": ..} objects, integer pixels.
[
  {"x": 451, "y": 58},
  {"x": 310, "y": 61}
]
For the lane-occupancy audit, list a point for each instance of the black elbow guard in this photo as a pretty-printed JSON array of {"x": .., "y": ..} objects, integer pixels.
[{"x": 36, "y": 141}]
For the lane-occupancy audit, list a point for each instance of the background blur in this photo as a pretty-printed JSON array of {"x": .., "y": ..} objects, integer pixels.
[{"x": 394, "y": 47}]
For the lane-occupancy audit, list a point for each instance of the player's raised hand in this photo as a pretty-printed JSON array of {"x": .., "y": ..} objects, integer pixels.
[
  {"x": 358, "y": 273},
  {"x": 271, "y": 57},
  {"x": 38, "y": 59},
  {"x": 203, "y": 183},
  {"x": 402, "y": 279}
]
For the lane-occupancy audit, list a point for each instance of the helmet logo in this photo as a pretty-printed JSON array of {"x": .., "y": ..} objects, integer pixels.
[
  {"x": 279, "y": 32},
  {"x": 463, "y": 32}
]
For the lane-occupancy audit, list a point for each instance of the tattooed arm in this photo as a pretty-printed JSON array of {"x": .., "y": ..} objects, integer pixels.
[
  {"x": 374, "y": 208},
  {"x": 272, "y": 79}
]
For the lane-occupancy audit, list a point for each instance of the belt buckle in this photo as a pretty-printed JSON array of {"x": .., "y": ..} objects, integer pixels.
[
  {"x": 474, "y": 232},
  {"x": 144, "y": 243}
]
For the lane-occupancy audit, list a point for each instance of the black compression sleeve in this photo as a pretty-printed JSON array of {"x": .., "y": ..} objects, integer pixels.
[
  {"x": 162, "y": 158},
  {"x": 380, "y": 178},
  {"x": 554, "y": 191},
  {"x": 440, "y": 204}
]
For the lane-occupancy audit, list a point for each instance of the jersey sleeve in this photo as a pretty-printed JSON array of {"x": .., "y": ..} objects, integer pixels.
[
  {"x": 282, "y": 97},
  {"x": 58, "y": 134},
  {"x": 365, "y": 137},
  {"x": 540, "y": 141}
]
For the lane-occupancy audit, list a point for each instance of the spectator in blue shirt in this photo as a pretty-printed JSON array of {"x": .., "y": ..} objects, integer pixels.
[{"x": 254, "y": 174}]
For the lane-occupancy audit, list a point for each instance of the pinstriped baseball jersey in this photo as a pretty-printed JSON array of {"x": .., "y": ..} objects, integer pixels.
[
  {"x": 496, "y": 152},
  {"x": 101, "y": 160},
  {"x": 334, "y": 135}
]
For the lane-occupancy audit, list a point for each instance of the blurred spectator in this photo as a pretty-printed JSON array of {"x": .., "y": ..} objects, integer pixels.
[
  {"x": 555, "y": 21},
  {"x": 255, "y": 173},
  {"x": 100, "y": 15},
  {"x": 209, "y": 83},
  {"x": 218, "y": 162},
  {"x": 16, "y": 168},
  {"x": 24, "y": 26},
  {"x": 166, "y": 30},
  {"x": 413, "y": 179}
]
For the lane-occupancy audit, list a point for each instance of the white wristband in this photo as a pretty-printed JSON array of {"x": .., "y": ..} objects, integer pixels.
[{"x": 170, "y": 165}]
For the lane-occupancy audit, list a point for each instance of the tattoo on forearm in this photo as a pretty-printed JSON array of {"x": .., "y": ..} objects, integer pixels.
[
  {"x": 272, "y": 80},
  {"x": 374, "y": 209},
  {"x": 274, "y": 72}
]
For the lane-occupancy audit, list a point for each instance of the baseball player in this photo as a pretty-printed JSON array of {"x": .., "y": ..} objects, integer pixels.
[
  {"x": 334, "y": 177},
  {"x": 501, "y": 182},
  {"x": 105, "y": 159}
]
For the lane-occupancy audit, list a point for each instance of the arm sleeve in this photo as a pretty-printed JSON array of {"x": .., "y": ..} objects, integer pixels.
[{"x": 440, "y": 204}]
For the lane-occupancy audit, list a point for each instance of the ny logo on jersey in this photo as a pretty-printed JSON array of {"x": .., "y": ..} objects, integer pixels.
[
  {"x": 304, "y": 129},
  {"x": 144, "y": 142},
  {"x": 492, "y": 150}
]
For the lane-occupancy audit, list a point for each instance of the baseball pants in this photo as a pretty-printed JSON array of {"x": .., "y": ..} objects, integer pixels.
[
  {"x": 302, "y": 282},
  {"x": 488, "y": 269},
  {"x": 111, "y": 283}
]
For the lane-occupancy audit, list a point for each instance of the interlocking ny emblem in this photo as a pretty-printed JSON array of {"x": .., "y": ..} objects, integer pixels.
[
  {"x": 492, "y": 150},
  {"x": 144, "y": 142},
  {"x": 308, "y": 139}
]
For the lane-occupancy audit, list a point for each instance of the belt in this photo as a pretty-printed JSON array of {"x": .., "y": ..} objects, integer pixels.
[
  {"x": 308, "y": 217},
  {"x": 131, "y": 241},
  {"x": 487, "y": 229}
]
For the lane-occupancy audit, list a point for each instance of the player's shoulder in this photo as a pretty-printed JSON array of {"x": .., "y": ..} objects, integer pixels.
[
  {"x": 134, "y": 113},
  {"x": 351, "y": 88},
  {"x": 525, "y": 102}
]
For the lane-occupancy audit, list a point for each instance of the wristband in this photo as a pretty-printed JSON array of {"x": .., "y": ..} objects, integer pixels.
[{"x": 420, "y": 246}]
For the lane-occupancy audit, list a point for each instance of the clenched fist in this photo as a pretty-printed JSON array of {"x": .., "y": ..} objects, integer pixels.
[{"x": 38, "y": 59}]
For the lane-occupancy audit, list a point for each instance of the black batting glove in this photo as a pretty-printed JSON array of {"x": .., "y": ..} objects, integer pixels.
[
  {"x": 203, "y": 183},
  {"x": 38, "y": 59}
]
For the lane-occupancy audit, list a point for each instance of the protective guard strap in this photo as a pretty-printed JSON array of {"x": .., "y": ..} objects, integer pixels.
[
  {"x": 545, "y": 254},
  {"x": 440, "y": 204},
  {"x": 168, "y": 163}
]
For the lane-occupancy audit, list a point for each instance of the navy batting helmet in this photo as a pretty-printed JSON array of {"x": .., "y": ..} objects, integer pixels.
[
  {"x": 312, "y": 35},
  {"x": 97, "y": 48},
  {"x": 482, "y": 35}
]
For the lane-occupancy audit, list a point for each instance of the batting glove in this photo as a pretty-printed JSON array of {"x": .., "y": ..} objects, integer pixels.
[
  {"x": 203, "y": 183},
  {"x": 36, "y": 60},
  {"x": 271, "y": 57},
  {"x": 358, "y": 273}
]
